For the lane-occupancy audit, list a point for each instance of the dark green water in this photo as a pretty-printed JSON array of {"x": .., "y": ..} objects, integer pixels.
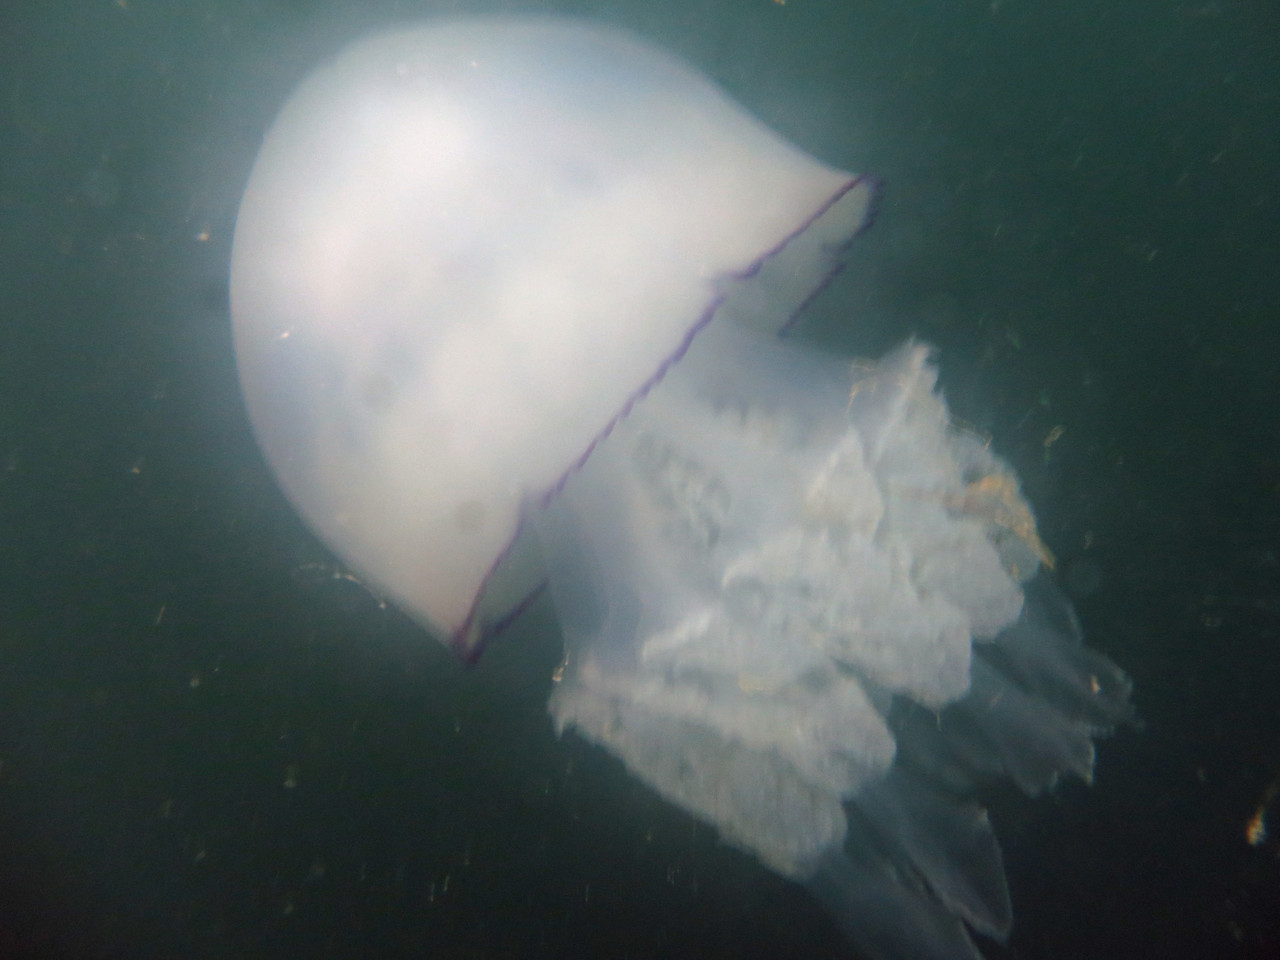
[{"x": 210, "y": 748}]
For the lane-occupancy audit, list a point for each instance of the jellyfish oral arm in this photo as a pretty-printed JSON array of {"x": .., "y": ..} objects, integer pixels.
[{"x": 783, "y": 614}]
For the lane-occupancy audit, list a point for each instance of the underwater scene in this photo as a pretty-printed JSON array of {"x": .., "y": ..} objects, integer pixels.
[{"x": 705, "y": 480}]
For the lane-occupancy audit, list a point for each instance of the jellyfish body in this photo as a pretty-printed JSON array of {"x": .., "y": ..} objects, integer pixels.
[{"x": 502, "y": 294}]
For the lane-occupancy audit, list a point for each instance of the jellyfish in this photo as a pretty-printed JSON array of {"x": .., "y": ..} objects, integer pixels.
[{"x": 507, "y": 296}]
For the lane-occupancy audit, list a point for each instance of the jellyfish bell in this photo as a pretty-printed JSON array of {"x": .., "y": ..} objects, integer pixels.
[
  {"x": 503, "y": 295},
  {"x": 464, "y": 250}
]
